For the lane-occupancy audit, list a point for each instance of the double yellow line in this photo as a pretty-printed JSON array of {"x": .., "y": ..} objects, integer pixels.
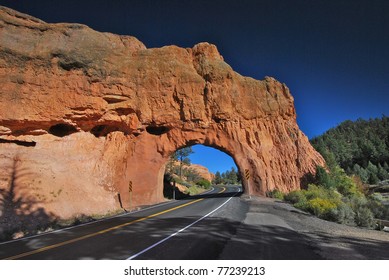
[{"x": 46, "y": 248}]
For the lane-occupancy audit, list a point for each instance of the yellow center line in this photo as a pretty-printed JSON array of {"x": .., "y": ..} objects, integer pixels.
[{"x": 46, "y": 248}]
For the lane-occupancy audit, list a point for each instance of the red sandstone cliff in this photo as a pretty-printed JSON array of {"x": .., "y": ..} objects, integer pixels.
[
  {"x": 84, "y": 113},
  {"x": 202, "y": 171}
]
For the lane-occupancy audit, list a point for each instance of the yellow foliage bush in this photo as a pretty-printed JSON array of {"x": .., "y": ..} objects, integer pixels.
[{"x": 322, "y": 207}]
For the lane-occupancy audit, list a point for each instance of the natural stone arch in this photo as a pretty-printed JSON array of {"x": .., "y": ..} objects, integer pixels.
[
  {"x": 153, "y": 151},
  {"x": 160, "y": 148},
  {"x": 87, "y": 113}
]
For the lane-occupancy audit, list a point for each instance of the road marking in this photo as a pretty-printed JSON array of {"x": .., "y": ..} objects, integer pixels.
[
  {"x": 96, "y": 221},
  {"x": 99, "y": 232},
  {"x": 181, "y": 230}
]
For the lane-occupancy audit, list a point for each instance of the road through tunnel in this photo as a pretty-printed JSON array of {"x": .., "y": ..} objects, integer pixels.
[
  {"x": 195, "y": 169},
  {"x": 153, "y": 153}
]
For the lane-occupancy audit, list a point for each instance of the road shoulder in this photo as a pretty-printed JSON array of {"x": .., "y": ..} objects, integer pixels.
[{"x": 276, "y": 230}]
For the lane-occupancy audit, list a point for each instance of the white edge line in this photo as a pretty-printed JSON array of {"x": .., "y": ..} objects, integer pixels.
[
  {"x": 181, "y": 230},
  {"x": 93, "y": 222}
]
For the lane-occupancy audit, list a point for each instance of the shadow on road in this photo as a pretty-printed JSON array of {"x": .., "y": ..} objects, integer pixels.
[
  {"x": 367, "y": 248},
  {"x": 213, "y": 195},
  {"x": 220, "y": 238},
  {"x": 212, "y": 238}
]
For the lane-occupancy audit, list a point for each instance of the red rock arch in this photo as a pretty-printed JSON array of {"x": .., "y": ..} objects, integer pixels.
[
  {"x": 102, "y": 111},
  {"x": 150, "y": 169}
]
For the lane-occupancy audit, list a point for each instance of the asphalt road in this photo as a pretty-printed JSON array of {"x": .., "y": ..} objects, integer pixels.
[
  {"x": 217, "y": 225},
  {"x": 186, "y": 229},
  {"x": 222, "y": 224}
]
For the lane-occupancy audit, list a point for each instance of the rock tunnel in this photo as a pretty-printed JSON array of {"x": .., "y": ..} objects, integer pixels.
[{"x": 87, "y": 114}]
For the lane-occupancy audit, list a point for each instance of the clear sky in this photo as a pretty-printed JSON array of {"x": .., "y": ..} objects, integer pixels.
[
  {"x": 332, "y": 54},
  {"x": 213, "y": 159}
]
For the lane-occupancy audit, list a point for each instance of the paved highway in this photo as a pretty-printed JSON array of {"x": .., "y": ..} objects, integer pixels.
[{"x": 195, "y": 228}]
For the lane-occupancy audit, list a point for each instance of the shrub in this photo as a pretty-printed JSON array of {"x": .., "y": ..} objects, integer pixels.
[
  {"x": 322, "y": 208},
  {"x": 193, "y": 190},
  {"x": 344, "y": 214},
  {"x": 204, "y": 183},
  {"x": 182, "y": 182},
  {"x": 314, "y": 191},
  {"x": 376, "y": 206},
  {"x": 364, "y": 217},
  {"x": 361, "y": 187},
  {"x": 346, "y": 185},
  {"x": 295, "y": 197},
  {"x": 329, "y": 204},
  {"x": 302, "y": 204},
  {"x": 276, "y": 194}
]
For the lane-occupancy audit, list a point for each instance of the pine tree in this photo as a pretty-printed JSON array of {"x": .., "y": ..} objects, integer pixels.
[
  {"x": 232, "y": 176},
  {"x": 356, "y": 143},
  {"x": 323, "y": 178},
  {"x": 218, "y": 178},
  {"x": 182, "y": 156},
  {"x": 361, "y": 173},
  {"x": 382, "y": 174},
  {"x": 372, "y": 170}
]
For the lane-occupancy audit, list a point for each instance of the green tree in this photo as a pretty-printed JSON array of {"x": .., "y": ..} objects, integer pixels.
[
  {"x": 382, "y": 174},
  {"x": 218, "y": 178},
  {"x": 323, "y": 178},
  {"x": 330, "y": 159},
  {"x": 344, "y": 184},
  {"x": 373, "y": 172},
  {"x": 224, "y": 176},
  {"x": 360, "y": 172},
  {"x": 358, "y": 142},
  {"x": 182, "y": 155},
  {"x": 227, "y": 177},
  {"x": 233, "y": 176}
]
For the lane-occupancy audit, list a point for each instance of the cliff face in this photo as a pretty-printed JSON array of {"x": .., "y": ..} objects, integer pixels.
[
  {"x": 84, "y": 115},
  {"x": 202, "y": 171}
]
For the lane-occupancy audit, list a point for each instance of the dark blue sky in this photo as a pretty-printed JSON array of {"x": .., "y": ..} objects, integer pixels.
[{"x": 333, "y": 55}]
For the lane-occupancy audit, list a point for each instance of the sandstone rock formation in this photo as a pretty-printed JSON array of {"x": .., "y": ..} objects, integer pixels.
[
  {"x": 202, "y": 171},
  {"x": 84, "y": 114}
]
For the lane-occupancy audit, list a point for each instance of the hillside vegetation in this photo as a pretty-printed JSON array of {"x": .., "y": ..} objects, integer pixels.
[
  {"x": 357, "y": 157},
  {"x": 229, "y": 177},
  {"x": 360, "y": 148}
]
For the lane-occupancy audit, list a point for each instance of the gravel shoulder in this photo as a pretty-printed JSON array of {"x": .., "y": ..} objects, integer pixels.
[{"x": 276, "y": 230}]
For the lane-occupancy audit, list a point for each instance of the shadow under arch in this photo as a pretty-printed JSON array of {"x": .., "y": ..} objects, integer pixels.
[{"x": 213, "y": 195}]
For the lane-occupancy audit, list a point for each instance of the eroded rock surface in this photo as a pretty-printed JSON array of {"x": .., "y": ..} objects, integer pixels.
[{"x": 84, "y": 114}]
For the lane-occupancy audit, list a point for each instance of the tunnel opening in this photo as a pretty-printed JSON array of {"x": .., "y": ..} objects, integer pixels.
[{"x": 197, "y": 169}]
